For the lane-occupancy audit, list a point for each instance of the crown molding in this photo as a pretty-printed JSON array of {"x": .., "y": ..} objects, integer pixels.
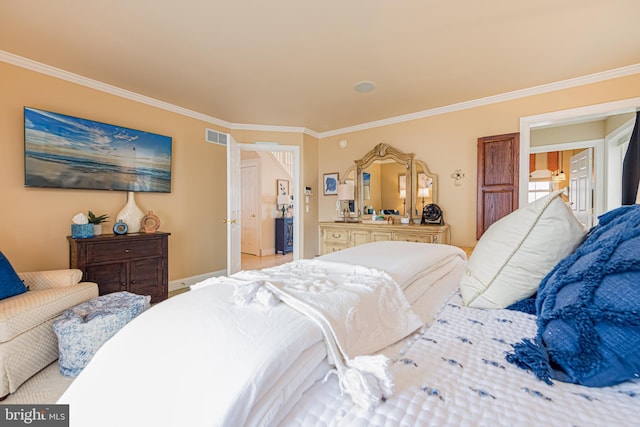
[
  {"x": 113, "y": 90},
  {"x": 273, "y": 128},
  {"x": 508, "y": 96},
  {"x": 39, "y": 67}
]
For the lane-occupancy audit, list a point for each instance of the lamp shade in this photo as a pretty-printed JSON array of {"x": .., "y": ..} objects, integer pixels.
[
  {"x": 403, "y": 194},
  {"x": 559, "y": 177},
  {"x": 345, "y": 191},
  {"x": 423, "y": 192},
  {"x": 283, "y": 199}
]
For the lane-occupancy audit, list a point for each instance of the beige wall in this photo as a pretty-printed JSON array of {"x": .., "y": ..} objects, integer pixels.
[
  {"x": 562, "y": 134},
  {"x": 34, "y": 222},
  {"x": 447, "y": 142}
]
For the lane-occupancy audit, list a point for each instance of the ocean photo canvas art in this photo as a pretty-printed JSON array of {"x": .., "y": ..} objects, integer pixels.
[{"x": 69, "y": 152}]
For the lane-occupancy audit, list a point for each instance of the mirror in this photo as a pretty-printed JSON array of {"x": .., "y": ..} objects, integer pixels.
[
  {"x": 426, "y": 188},
  {"x": 388, "y": 180}
]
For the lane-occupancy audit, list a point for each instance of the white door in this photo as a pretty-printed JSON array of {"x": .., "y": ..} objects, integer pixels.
[
  {"x": 233, "y": 219},
  {"x": 581, "y": 186},
  {"x": 250, "y": 207}
]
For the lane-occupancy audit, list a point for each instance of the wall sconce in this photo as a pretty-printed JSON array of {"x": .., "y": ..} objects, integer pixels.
[{"x": 457, "y": 176}]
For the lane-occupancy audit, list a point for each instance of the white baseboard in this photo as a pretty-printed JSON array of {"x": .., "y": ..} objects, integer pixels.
[{"x": 174, "y": 285}]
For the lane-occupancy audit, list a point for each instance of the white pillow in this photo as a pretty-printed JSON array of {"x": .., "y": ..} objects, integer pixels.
[{"x": 517, "y": 251}]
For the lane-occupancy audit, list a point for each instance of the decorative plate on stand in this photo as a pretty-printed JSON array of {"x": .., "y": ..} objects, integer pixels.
[{"x": 150, "y": 223}]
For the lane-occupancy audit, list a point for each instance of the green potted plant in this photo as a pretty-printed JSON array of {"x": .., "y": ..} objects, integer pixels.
[{"x": 97, "y": 222}]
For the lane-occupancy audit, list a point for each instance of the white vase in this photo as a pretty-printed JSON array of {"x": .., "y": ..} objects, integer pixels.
[{"x": 131, "y": 214}]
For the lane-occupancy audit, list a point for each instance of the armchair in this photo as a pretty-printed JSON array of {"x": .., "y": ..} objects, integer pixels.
[{"x": 27, "y": 340}]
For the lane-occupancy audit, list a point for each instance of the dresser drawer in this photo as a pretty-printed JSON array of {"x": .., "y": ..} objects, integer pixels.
[
  {"x": 415, "y": 237},
  {"x": 334, "y": 235},
  {"x": 332, "y": 247},
  {"x": 114, "y": 251}
]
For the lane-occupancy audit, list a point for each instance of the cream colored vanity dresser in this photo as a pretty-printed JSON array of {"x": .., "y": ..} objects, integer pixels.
[
  {"x": 335, "y": 236},
  {"x": 387, "y": 179}
]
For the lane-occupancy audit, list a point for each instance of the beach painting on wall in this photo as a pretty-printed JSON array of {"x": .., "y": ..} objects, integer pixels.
[{"x": 69, "y": 152}]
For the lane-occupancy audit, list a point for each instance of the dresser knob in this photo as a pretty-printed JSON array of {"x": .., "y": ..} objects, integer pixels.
[{"x": 127, "y": 251}]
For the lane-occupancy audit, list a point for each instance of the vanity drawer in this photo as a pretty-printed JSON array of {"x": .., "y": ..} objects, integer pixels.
[
  {"x": 335, "y": 235},
  {"x": 113, "y": 251},
  {"x": 381, "y": 236},
  {"x": 332, "y": 247},
  {"x": 414, "y": 237}
]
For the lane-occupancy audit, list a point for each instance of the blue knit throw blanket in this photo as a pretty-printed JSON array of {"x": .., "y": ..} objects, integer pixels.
[{"x": 588, "y": 309}]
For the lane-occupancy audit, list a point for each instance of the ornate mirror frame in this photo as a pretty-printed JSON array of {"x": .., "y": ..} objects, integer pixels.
[
  {"x": 384, "y": 151},
  {"x": 421, "y": 167}
]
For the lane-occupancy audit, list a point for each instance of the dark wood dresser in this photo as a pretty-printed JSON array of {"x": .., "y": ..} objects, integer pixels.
[{"x": 136, "y": 262}]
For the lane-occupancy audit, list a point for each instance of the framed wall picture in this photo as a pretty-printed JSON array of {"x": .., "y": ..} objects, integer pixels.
[
  {"x": 330, "y": 184},
  {"x": 282, "y": 187}
]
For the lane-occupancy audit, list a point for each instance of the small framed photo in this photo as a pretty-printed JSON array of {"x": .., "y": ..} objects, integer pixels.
[
  {"x": 283, "y": 187},
  {"x": 330, "y": 184}
]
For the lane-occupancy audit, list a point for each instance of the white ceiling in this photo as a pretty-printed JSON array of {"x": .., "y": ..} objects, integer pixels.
[{"x": 295, "y": 62}]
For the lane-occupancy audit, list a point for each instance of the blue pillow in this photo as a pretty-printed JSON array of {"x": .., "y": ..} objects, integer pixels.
[
  {"x": 10, "y": 283},
  {"x": 588, "y": 309}
]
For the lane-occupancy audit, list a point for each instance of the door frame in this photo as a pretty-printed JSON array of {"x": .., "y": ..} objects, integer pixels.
[
  {"x": 599, "y": 199},
  {"x": 573, "y": 115},
  {"x": 296, "y": 188}
]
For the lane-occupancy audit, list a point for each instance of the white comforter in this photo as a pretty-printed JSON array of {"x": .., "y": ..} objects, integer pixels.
[
  {"x": 360, "y": 311},
  {"x": 200, "y": 360},
  {"x": 194, "y": 360}
]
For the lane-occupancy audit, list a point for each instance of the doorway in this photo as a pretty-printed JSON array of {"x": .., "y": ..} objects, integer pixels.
[
  {"x": 607, "y": 172},
  {"x": 234, "y": 186},
  {"x": 584, "y": 189}
]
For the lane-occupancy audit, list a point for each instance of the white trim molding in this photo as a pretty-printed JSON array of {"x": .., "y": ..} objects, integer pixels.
[
  {"x": 103, "y": 87},
  {"x": 573, "y": 115}
]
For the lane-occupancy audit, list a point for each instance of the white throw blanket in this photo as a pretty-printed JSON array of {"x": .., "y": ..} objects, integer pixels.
[
  {"x": 360, "y": 311},
  {"x": 200, "y": 360}
]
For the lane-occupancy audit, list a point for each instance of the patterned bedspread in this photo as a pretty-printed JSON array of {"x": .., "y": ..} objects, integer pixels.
[{"x": 454, "y": 373}]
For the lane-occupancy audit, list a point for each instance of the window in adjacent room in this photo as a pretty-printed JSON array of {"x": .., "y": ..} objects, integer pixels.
[{"x": 538, "y": 189}]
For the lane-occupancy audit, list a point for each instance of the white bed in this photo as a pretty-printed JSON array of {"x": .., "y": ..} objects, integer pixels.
[
  {"x": 454, "y": 373},
  {"x": 198, "y": 359}
]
